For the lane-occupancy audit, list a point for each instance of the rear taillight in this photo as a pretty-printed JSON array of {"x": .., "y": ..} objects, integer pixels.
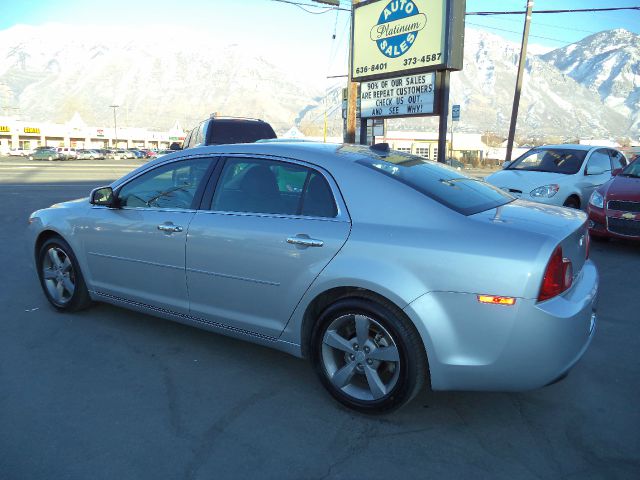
[{"x": 557, "y": 277}]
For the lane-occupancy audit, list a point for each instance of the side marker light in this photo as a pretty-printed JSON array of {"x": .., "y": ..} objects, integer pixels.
[{"x": 495, "y": 300}]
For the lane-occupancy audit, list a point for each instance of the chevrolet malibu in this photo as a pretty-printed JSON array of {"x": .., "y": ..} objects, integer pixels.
[
  {"x": 614, "y": 208},
  {"x": 386, "y": 270},
  {"x": 559, "y": 174}
]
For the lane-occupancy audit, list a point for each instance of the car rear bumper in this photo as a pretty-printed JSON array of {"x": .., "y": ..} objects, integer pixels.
[{"x": 473, "y": 346}]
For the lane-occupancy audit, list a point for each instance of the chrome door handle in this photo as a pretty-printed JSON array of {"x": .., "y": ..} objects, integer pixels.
[
  {"x": 305, "y": 241},
  {"x": 163, "y": 227}
]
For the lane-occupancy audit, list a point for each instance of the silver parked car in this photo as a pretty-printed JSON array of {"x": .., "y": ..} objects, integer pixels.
[
  {"x": 384, "y": 269},
  {"x": 559, "y": 174}
]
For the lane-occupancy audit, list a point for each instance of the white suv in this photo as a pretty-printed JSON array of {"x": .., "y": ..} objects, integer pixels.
[{"x": 67, "y": 152}]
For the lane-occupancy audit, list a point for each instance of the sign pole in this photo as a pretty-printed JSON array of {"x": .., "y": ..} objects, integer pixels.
[
  {"x": 444, "y": 115},
  {"x": 516, "y": 95},
  {"x": 364, "y": 123},
  {"x": 352, "y": 90},
  {"x": 451, "y": 149}
]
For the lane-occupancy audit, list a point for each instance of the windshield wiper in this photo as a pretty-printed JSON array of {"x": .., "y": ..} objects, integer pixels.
[{"x": 632, "y": 175}]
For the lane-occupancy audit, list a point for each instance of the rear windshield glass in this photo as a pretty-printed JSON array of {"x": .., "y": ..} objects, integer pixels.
[
  {"x": 554, "y": 160},
  {"x": 447, "y": 186},
  {"x": 239, "y": 131}
]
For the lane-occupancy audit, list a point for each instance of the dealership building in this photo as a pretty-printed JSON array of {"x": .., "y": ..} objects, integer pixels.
[{"x": 76, "y": 133}]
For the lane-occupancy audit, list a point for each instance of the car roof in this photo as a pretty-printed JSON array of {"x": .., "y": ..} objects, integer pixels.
[
  {"x": 322, "y": 154},
  {"x": 573, "y": 146}
]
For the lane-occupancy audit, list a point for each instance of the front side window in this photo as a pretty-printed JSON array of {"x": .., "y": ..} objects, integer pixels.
[
  {"x": 599, "y": 162},
  {"x": 265, "y": 186},
  {"x": 632, "y": 170},
  {"x": 168, "y": 186},
  {"x": 554, "y": 160}
]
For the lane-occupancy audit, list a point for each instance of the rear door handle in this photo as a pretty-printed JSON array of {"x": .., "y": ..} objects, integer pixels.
[
  {"x": 305, "y": 241},
  {"x": 169, "y": 228}
]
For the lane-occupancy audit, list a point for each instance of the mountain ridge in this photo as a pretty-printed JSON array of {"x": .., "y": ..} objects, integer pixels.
[{"x": 162, "y": 78}]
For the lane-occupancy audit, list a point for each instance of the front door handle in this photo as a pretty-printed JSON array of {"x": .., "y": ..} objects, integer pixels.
[
  {"x": 169, "y": 228},
  {"x": 305, "y": 241}
]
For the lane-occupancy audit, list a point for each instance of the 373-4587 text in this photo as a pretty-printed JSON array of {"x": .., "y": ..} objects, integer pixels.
[{"x": 433, "y": 57}]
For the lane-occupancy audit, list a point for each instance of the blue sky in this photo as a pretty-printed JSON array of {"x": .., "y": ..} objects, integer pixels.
[
  {"x": 276, "y": 26},
  {"x": 554, "y": 30}
]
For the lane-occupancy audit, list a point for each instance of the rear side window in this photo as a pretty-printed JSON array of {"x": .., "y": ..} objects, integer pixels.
[
  {"x": 187, "y": 140},
  {"x": 446, "y": 186},
  {"x": 265, "y": 186},
  {"x": 238, "y": 131}
]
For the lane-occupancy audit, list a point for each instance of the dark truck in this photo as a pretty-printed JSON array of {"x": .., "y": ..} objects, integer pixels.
[{"x": 224, "y": 130}]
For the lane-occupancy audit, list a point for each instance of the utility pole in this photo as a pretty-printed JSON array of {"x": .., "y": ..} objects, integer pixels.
[
  {"x": 352, "y": 89},
  {"x": 521, "y": 65},
  {"x": 115, "y": 125}
]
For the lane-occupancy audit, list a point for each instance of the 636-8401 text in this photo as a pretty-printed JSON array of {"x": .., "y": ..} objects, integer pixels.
[{"x": 376, "y": 67}]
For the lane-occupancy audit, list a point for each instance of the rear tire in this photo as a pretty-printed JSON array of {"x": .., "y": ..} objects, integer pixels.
[
  {"x": 368, "y": 355},
  {"x": 60, "y": 276}
]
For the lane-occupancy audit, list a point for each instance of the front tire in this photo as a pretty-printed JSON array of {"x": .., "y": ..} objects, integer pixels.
[
  {"x": 572, "y": 202},
  {"x": 60, "y": 276},
  {"x": 368, "y": 355}
]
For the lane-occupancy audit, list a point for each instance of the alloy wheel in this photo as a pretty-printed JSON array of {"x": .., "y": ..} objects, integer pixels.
[
  {"x": 58, "y": 275},
  {"x": 360, "y": 357}
]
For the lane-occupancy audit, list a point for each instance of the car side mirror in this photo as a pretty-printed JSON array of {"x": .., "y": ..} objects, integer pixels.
[
  {"x": 505, "y": 164},
  {"x": 103, "y": 196},
  {"x": 615, "y": 171}
]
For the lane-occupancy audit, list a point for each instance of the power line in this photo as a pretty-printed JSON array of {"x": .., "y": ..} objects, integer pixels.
[
  {"x": 480, "y": 13},
  {"x": 514, "y": 31},
  {"x": 538, "y": 24},
  {"x": 572, "y": 10},
  {"x": 302, "y": 6}
]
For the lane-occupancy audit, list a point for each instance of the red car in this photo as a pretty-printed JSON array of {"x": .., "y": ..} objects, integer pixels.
[{"x": 614, "y": 207}]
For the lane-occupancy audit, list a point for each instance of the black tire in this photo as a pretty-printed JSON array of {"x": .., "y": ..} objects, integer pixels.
[
  {"x": 68, "y": 301},
  {"x": 406, "y": 376},
  {"x": 572, "y": 202}
]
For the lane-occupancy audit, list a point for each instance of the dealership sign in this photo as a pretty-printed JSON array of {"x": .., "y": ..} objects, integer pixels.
[
  {"x": 395, "y": 97},
  {"x": 392, "y": 37}
]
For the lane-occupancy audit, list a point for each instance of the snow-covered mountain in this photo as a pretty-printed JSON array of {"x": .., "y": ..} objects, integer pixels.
[
  {"x": 552, "y": 103},
  {"x": 607, "y": 63},
  {"x": 157, "y": 77}
]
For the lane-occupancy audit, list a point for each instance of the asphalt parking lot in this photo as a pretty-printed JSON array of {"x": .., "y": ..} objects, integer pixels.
[{"x": 108, "y": 393}]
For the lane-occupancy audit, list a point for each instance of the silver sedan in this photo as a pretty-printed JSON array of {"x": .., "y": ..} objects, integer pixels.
[{"x": 386, "y": 270}]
